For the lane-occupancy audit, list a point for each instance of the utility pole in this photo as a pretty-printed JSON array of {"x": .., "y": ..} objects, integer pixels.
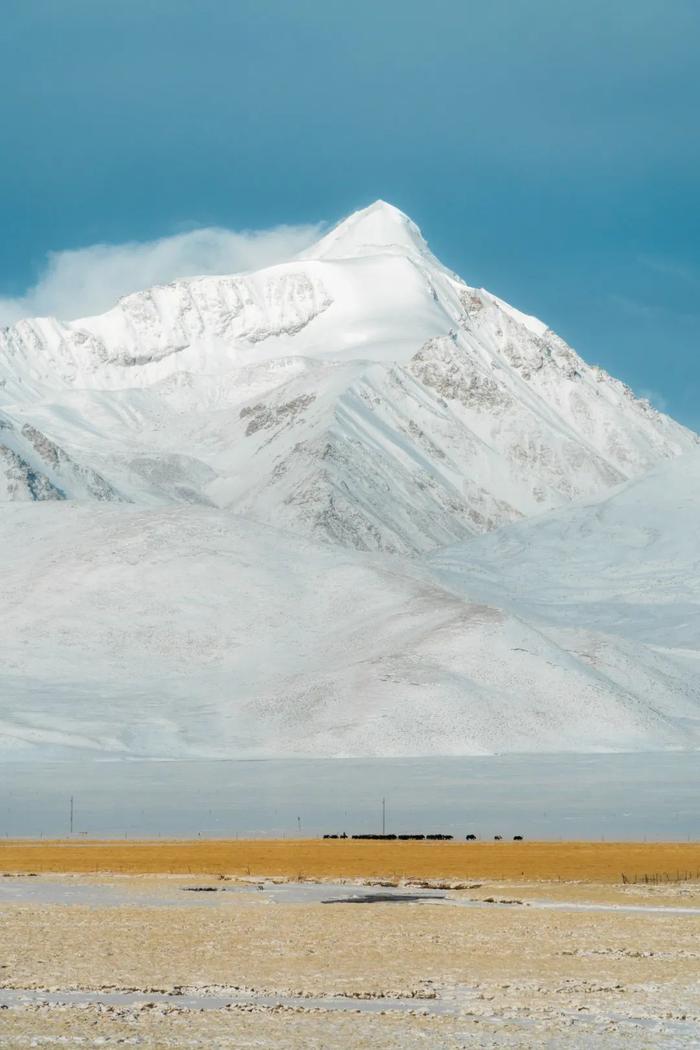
[
  {"x": 383, "y": 816},
  {"x": 71, "y": 814},
  {"x": 299, "y": 825}
]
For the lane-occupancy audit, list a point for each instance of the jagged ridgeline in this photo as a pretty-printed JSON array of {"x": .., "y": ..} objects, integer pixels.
[{"x": 362, "y": 394}]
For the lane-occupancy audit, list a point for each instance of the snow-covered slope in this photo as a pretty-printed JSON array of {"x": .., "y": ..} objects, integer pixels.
[
  {"x": 303, "y": 511},
  {"x": 626, "y": 566},
  {"x": 187, "y": 631},
  {"x": 361, "y": 394}
]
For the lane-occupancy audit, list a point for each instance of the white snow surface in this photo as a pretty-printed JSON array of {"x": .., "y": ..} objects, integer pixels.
[
  {"x": 304, "y": 511},
  {"x": 190, "y": 631}
]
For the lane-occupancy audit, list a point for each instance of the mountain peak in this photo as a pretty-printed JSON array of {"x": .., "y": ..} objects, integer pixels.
[{"x": 379, "y": 228}]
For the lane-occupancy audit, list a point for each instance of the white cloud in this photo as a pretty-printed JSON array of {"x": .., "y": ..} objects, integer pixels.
[
  {"x": 635, "y": 307},
  {"x": 671, "y": 268},
  {"x": 656, "y": 399},
  {"x": 90, "y": 280}
]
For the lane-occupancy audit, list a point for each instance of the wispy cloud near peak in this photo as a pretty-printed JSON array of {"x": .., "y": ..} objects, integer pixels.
[{"x": 89, "y": 280}]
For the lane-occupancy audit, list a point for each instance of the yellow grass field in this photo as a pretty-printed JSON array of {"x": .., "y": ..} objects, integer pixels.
[{"x": 603, "y": 862}]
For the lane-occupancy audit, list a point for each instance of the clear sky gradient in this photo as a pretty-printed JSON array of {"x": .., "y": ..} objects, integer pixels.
[{"x": 548, "y": 149}]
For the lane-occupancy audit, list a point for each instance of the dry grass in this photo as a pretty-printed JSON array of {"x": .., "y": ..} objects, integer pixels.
[{"x": 312, "y": 858}]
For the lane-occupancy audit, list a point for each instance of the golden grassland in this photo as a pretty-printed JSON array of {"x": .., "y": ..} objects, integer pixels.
[{"x": 604, "y": 862}]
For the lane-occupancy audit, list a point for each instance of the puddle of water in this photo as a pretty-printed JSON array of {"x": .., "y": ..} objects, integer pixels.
[
  {"x": 583, "y": 906},
  {"x": 385, "y": 898},
  {"x": 342, "y": 893},
  {"x": 74, "y": 890}
]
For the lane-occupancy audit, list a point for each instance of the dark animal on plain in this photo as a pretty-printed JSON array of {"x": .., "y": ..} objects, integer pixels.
[
  {"x": 497, "y": 838},
  {"x": 517, "y": 838},
  {"x": 470, "y": 838},
  {"x": 373, "y": 838}
]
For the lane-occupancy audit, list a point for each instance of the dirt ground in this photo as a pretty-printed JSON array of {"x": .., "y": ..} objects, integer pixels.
[
  {"x": 313, "y": 858},
  {"x": 560, "y": 965}
]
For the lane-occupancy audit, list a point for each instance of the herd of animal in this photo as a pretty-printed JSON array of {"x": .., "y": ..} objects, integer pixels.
[{"x": 417, "y": 838}]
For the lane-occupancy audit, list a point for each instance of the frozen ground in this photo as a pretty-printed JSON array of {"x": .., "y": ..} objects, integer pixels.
[{"x": 250, "y": 970}]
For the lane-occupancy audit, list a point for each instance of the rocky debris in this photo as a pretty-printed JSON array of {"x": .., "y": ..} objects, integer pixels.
[{"x": 443, "y": 367}]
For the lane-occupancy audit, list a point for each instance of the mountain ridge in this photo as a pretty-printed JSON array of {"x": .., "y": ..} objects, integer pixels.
[{"x": 482, "y": 412}]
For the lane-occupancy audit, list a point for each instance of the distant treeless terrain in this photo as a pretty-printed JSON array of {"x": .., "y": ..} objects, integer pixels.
[{"x": 604, "y": 862}]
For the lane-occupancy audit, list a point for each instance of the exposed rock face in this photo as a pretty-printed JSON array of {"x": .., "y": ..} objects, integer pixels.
[
  {"x": 32, "y": 467},
  {"x": 21, "y": 482},
  {"x": 260, "y": 417}
]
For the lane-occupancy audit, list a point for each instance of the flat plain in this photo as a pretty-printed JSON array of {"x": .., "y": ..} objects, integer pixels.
[
  {"x": 604, "y": 862},
  {"x": 142, "y": 960},
  {"x": 324, "y": 944}
]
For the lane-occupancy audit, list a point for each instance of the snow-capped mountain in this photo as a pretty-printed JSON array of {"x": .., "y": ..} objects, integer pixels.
[
  {"x": 345, "y": 505},
  {"x": 362, "y": 394}
]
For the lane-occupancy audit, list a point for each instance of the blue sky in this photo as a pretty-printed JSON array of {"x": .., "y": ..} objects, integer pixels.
[{"x": 548, "y": 149}]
